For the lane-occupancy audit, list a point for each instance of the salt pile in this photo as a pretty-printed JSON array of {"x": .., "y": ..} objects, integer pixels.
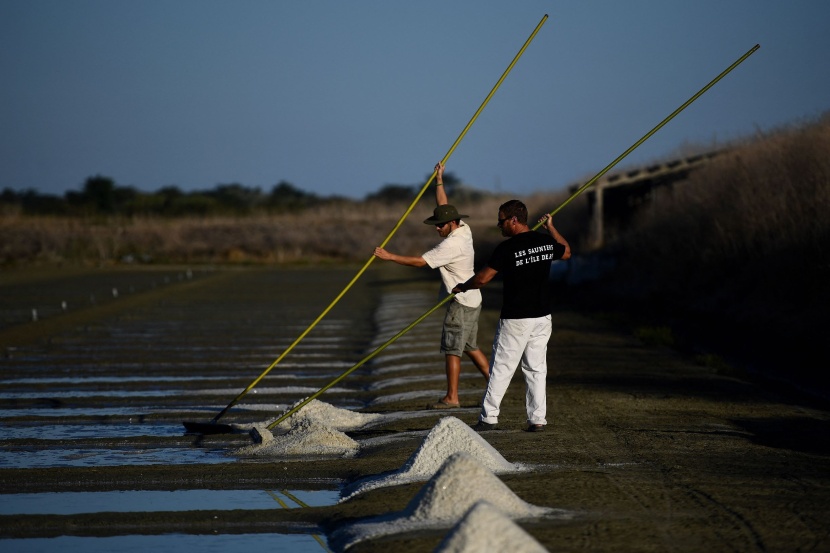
[
  {"x": 327, "y": 414},
  {"x": 460, "y": 483},
  {"x": 485, "y": 528},
  {"x": 449, "y": 436},
  {"x": 316, "y": 429},
  {"x": 305, "y": 437}
]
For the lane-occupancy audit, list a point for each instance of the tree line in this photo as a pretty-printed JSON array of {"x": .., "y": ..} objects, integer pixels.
[{"x": 101, "y": 195}]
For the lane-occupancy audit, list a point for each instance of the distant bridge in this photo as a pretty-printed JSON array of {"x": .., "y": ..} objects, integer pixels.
[{"x": 614, "y": 199}]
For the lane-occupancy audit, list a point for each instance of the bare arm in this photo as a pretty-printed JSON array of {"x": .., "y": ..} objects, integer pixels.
[
  {"x": 440, "y": 193},
  {"x": 481, "y": 278},
  {"x": 548, "y": 222},
  {"x": 380, "y": 253}
]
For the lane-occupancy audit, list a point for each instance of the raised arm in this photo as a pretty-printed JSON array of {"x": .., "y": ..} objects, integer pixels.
[
  {"x": 547, "y": 220},
  {"x": 440, "y": 193}
]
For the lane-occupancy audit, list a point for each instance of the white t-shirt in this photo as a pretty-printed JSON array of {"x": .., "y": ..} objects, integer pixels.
[{"x": 454, "y": 258}]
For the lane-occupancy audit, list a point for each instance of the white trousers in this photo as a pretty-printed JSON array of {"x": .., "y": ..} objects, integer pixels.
[{"x": 519, "y": 342}]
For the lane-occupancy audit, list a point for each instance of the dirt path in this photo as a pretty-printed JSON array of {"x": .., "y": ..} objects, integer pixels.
[{"x": 651, "y": 451}]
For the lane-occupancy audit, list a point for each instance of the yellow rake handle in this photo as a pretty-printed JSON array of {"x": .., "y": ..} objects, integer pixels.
[
  {"x": 652, "y": 131},
  {"x": 448, "y": 298},
  {"x": 359, "y": 363},
  {"x": 391, "y": 233}
]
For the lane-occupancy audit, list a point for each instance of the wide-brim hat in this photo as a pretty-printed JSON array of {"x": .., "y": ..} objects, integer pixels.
[{"x": 444, "y": 214}]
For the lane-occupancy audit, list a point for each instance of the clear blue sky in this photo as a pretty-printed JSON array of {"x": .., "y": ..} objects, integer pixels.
[{"x": 342, "y": 97}]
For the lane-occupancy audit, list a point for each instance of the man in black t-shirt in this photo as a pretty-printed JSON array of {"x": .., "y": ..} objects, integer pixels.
[{"x": 524, "y": 326}]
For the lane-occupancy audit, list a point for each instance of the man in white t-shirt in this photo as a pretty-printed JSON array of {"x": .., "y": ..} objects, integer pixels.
[{"x": 453, "y": 257}]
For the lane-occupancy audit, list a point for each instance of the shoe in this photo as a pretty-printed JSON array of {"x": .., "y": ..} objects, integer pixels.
[
  {"x": 441, "y": 404},
  {"x": 482, "y": 426},
  {"x": 535, "y": 428}
]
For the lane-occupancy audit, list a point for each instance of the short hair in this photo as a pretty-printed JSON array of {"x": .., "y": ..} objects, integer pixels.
[{"x": 514, "y": 208}]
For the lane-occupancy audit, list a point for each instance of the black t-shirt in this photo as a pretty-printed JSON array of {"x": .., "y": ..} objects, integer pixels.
[{"x": 524, "y": 262}]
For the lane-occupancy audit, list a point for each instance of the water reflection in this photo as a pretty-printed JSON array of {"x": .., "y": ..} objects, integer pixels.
[
  {"x": 104, "y": 379},
  {"x": 30, "y": 457},
  {"x": 48, "y": 411},
  {"x": 66, "y": 394},
  {"x": 319, "y": 539},
  {"x": 86, "y": 431},
  {"x": 220, "y": 543},
  {"x": 73, "y": 503}
]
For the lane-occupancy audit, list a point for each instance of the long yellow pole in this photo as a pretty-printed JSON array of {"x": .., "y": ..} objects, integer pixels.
[
  {"x": 645, "y": 137},
  {"x": 359, "y": 363},
  {"x": 566, "y": 202},
  {"x": 391, "y": 233}
]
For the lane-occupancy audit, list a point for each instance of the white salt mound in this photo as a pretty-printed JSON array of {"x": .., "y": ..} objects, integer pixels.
[
  {"x": 459, "y": 484},
  {"x": 329, "y": 415},
  {"x": 450, "y": 435},
  {"x": 305, "y": 437},
  {"x": 315, "y": 412},
  {"x": 484, "y": 528}
]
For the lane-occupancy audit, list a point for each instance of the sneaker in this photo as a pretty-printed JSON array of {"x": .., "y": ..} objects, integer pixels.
[
  {"x": 481, "y": 426},
  {"x": 535, "y": 428}
]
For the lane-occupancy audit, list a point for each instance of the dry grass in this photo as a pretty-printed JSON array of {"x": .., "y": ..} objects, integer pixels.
[
  {"x": 741, "y": 252},
  {"x": 333, "y": 232},
  {"x": 752, "y": 225}
]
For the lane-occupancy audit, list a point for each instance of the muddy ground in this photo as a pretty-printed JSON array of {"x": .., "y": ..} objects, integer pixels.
[{"x": 651, "y": 450}]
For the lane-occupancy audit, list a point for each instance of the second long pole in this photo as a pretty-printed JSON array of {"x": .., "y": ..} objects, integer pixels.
[
  {"x": 562, "y": 205},
  {"x": 391, "y": 233}
]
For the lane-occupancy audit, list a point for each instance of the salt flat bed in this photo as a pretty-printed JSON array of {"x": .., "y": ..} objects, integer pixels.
[{"x": 645, "y": 449}]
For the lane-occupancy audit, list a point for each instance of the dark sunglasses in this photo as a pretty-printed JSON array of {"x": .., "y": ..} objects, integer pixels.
[{"x": 501, "y": 221}]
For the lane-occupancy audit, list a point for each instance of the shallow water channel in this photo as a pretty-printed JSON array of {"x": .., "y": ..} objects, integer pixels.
[
  {"x": 296, "y": 543},
  {"x": 112, "y": 390}
]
